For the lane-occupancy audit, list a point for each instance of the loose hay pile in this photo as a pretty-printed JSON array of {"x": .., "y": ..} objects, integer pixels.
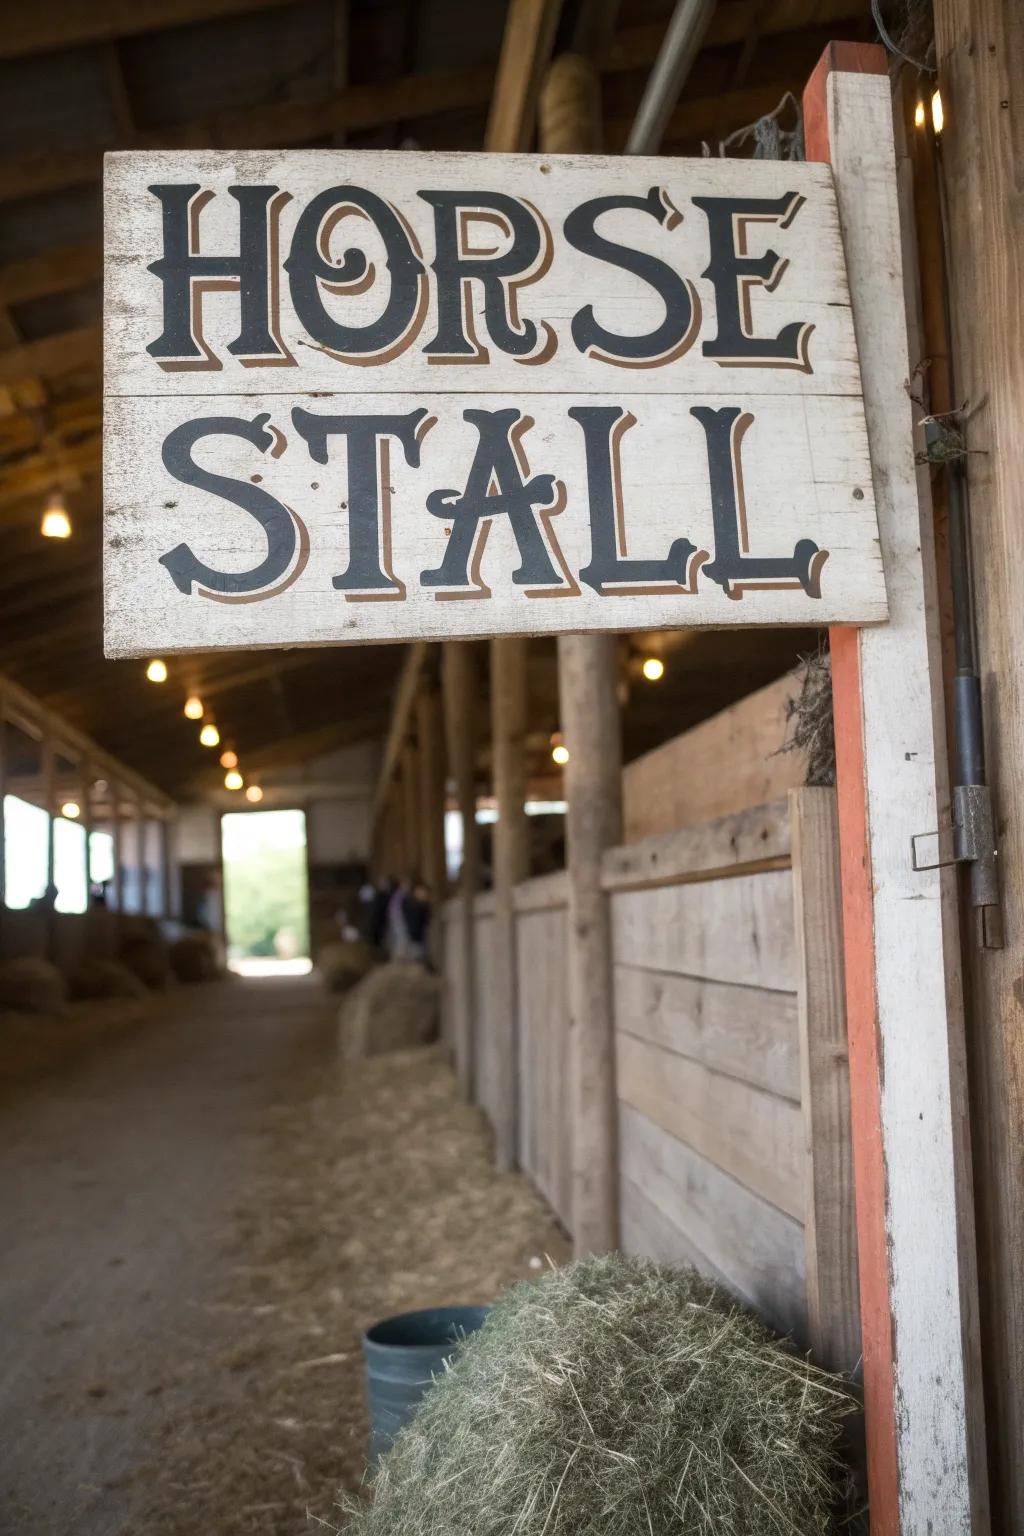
[
  {"x": 94, "y": 978},
  {"x": 616, "y": 1398},
  {"x": 30, "y": 984},
  {"x": 374, "y": 1193},
  {"x": 397, "y": 1006}
]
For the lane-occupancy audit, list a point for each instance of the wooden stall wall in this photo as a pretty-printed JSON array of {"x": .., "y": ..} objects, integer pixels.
[
  {"x": 731, "y": 1070},
  {"x": 544, "y": 1124},
  {"x": 486, "y": 1072}
]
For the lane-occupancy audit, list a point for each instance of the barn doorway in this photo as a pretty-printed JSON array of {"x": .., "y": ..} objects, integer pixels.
[{"x": 266, "y": 892}]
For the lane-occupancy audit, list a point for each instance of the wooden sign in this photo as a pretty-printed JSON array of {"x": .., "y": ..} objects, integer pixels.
[{"x": 379, "y": 396}]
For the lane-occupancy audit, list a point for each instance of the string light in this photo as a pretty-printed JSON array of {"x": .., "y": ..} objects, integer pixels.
[
  {"x": 229, "y": 759},
  {"x": 919, "y": 115},
  {"x": 937, "y": 118},
  {"x": 156, "y": 672},
  {"x": 233, "y": 779},
  {"x": 71, "y": 809},
  {"x": 653, "y": 669},
  {"x": 254, "y": 794},
  {"x": 193, "y": 707},
  {"x": 560, "y": 754},
  {"x": 56, "y": 523},
  {"x": 209, "y": 736}
]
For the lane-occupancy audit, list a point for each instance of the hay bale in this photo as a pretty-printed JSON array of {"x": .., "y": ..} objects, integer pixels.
[
  {"x": 344, "y": 962},
  {"x": 196, "y": 957},
  {"x": 618, "y": 1398},
  {"x": 94, "y": 978},
  {"x": 147, "y": 956},
  {"x": 29, "y": 984},
  {"x": 395, "y": 1007}
]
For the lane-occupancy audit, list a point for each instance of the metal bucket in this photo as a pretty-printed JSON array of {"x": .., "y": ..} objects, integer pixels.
[{"x": 403, "y": 1355}]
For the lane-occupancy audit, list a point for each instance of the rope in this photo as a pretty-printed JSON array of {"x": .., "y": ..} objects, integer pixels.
[{"x": 771, "y": 140}]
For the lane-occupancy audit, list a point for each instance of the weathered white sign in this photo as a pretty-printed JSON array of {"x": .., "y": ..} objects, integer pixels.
[{"x": 370, "y": 396}]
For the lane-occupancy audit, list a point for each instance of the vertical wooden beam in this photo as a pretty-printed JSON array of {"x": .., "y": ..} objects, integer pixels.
[
  {"x": 167, "y": 883},
  {"x": 85, "y": 775},
  {"x": 589, "y": 708},
  {"x": 49, "y": 767},
  {"x": 924, "y": 1418},
  {"x": 830, "y": 1229},
  {"x": 460, "y": 701},
  {"x": 115, "y": 829},
  {"x": 430, "y": 734},
  {"x": 980, "y": 50},
  {"x": 411, "y": 848},
  {"x": 525, "y": 51},
  {"x": 511, "y": 864}
]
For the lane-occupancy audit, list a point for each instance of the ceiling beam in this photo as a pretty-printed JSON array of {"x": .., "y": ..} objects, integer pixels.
[
  {"x": 53, "y": 355},
  {"x": 69, "y": 23},
  {"x": 375, "y": 106}
]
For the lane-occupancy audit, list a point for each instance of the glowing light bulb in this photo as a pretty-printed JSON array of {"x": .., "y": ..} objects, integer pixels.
[
  {"x": 56, "y": 523},
  {"x": 233, "y": 779},
  {"x": 653, "y": 669},
  {"x": 937, "y": 118},
  {"x": 254, "y": 794},
  {"x": 156, "y": 672},
  {"x": 209, "y": 736},
  {"x": 193, "y": 707},
  {"x": 229, "y": 759},
  {"x": 919, "y": 115},
  {"x": 560, "y": 755},
  {"x": 71, "y": 809}
]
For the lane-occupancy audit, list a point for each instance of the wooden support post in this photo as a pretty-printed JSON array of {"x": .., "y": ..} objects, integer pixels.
[
  {"x": 49, "y": 774},
  {"x": 460, "y": 702},
  {"x": 85, "y": 775},
  {"x": 430, "y": 733},
  {"x": 980, "y": 50},
  {"x": 118, "y": 850},
  {"x": 411, "y": 849},
  {"x": 570, "y": 122},
  {"x": 924, "y": 1416},
  {"x": 511, "y": 864},
  {"x": 166, "y": 868}
]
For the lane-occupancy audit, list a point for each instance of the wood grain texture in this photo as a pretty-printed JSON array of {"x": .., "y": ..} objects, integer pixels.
[
  {"x": 677, "y": 1205},
  {"x": 745, "y": 1032},
  {"x": 915, "y": 1219},
  {"x": 980, "y": 47},
  {"x": 509, "y": 706},
  {"x": 830, "y": 1228},
  {"x": 752, "y": 1135},
  {"x": 721, "y": 766},
  {"x": 462, "y": 727},
  {"x": 744, "y": 842},
  {"x": 738, "y": 931},
  {"x": 589, "y": 712},
  {"x": 544, "y": 1076}
]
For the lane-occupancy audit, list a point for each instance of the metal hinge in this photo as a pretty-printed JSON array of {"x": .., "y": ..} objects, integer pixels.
[{"x": 973, "y": 837}]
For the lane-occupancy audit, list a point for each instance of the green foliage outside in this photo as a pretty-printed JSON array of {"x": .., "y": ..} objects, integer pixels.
[{"x": 266, "y": 902}]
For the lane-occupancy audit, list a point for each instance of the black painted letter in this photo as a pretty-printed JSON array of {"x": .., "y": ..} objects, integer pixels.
[
  {"x": 676, "y": 333},
  {"x": 734, "y": 274}
]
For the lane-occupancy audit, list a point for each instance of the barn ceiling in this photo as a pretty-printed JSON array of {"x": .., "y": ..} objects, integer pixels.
[{"x": 78, "y": 78}]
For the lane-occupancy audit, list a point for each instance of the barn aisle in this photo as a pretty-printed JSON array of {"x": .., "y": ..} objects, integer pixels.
[{"x": 118, "y": 1177}]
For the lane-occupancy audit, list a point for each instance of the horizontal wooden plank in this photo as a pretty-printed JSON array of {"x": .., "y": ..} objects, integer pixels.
[
  {"x": 720, "y": 767},
  {"x": 749, "y": 840},
  {"x": 745, "y": 1032},
  {"x": 752, "y": 1135},
  {"x": 738, "y": 930},
  {"x": 674, "y": 1198},
  {"x": 542, "y": 892}
]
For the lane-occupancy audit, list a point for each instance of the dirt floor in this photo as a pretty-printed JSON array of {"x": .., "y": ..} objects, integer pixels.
[{"x": 200, "y": 1217}]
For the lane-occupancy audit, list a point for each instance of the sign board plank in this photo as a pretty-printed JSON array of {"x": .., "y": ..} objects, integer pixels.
[{"x": 361, "y": 396}]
